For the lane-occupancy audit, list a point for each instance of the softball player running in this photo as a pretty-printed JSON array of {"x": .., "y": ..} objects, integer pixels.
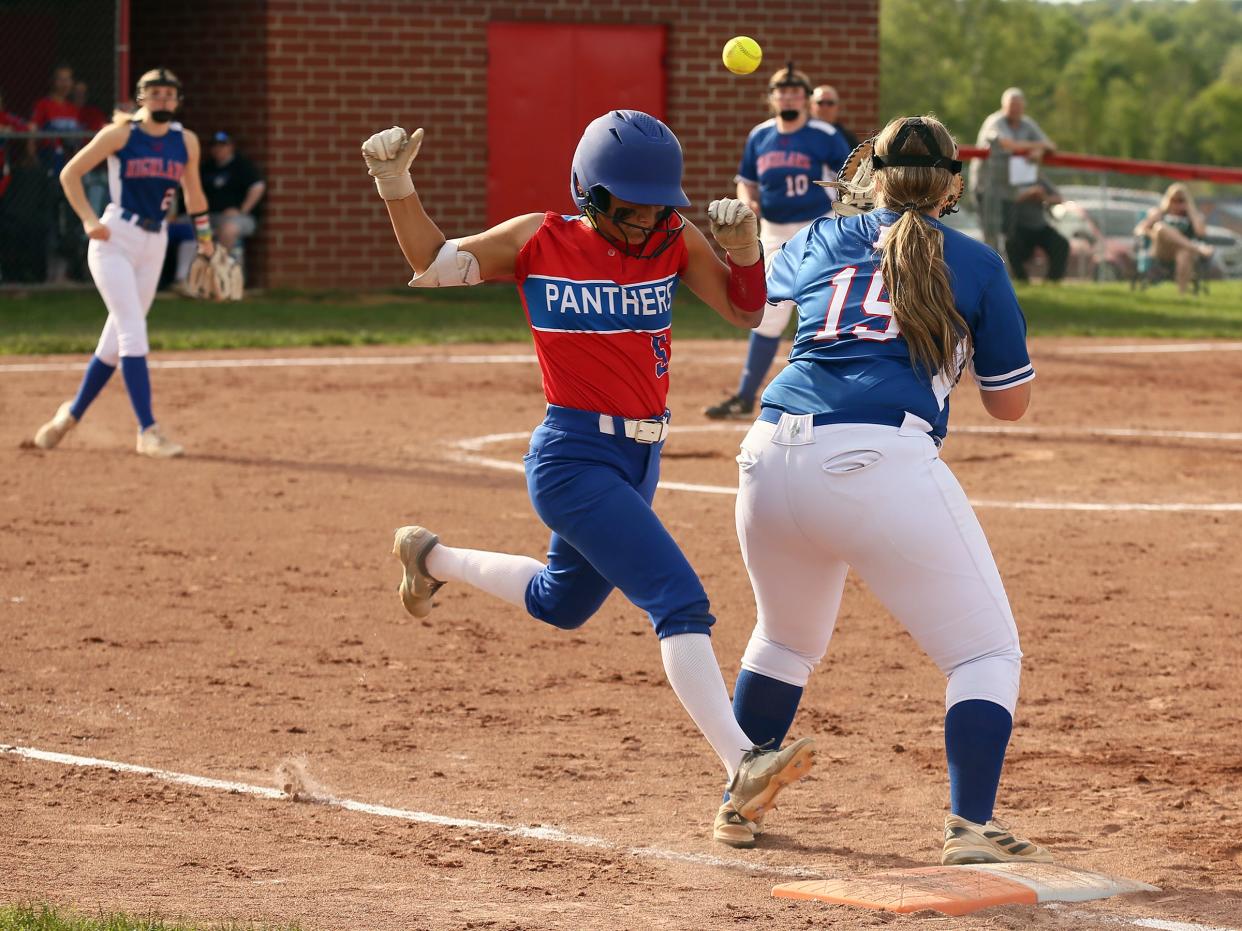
[
  {"x": 598, "y": 289},
  {"x": 148, "y": 155},
  {"x": 842, "y": 467},
  {"x": 782, "y": 159}
]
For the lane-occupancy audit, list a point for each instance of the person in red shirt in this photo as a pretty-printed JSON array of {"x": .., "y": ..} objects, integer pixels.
[
  {"x": 91, "y": 117},
  {"x": 57, "y": 112},
  {"x": 9, "y": 122}
]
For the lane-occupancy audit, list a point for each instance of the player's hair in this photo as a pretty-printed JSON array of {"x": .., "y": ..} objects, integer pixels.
[
  {"x": 913, "y": 265},
  {"x": 1172, "y": 191}
]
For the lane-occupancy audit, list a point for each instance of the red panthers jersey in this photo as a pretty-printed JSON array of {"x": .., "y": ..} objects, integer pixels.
[{"x": 600, "y": 319}]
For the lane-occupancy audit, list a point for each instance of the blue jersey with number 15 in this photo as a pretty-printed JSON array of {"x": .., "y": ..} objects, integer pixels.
[{"x": 849, "y": 357}]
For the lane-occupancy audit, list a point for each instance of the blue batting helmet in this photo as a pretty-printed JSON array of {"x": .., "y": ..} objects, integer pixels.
[{"x": 631, "y": 155}]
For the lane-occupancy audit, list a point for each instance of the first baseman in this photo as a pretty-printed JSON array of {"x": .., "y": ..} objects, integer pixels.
[{"x": 843, "y": 470}]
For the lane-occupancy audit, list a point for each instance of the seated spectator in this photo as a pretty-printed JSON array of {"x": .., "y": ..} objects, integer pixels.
[
  {"x": 1173, "y": 226},
  {"x": 91, "y": 117},
  {"x": 27, "y": 211},
  {"x": 234, "y": 188},
  {"x": 1029, "y": 229}
]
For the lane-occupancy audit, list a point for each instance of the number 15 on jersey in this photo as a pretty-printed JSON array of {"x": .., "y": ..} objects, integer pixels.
[{"x": 871, "y": 318}]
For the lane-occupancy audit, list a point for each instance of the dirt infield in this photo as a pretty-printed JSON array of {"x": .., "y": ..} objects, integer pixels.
[{"x": 223, "y": 613}]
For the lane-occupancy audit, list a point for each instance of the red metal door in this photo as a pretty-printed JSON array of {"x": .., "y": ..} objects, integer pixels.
[{"x": 545, "y": 82}]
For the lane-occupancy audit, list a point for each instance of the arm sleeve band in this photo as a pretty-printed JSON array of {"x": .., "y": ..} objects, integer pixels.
[
  {"x": 202, "y": 227},
  {"x": 451, "y": 269},
  {"x": 748, "y": 290}
]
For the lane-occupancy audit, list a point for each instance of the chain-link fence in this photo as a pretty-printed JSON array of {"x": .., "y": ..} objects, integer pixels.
[
  {"x": 58, "y": 85},
  {"x": 1098, "y": 215}
]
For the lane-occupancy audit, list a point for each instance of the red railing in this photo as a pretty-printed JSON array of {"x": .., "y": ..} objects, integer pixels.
[{"x": 1127, "y": 166}]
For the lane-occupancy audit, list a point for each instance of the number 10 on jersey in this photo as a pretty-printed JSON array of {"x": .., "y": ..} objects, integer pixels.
[{"x": 846, "y": 317}]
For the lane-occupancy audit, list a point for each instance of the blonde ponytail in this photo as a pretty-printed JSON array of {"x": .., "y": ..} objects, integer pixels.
[{"x": 912, "y": 262}]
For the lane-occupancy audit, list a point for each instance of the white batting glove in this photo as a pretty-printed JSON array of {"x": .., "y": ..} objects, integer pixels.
[
  {"x": 736, "y": 229},
  {"x": 388, "y": 155}
]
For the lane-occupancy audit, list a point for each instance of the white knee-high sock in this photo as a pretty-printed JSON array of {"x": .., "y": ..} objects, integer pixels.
[
  {"x": 692, "y": 670},
  {"x": 498, "y": 574}
]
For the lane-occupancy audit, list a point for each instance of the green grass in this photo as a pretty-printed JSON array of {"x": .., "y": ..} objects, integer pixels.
[
  {"x": 53, "y": 918},
  {"x": 69, "y": 322}
]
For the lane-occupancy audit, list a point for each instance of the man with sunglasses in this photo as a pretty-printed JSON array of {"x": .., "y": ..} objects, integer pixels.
[{"x": 826, "y": 106}]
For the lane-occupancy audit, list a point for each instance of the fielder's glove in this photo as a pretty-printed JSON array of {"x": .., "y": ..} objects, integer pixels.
[
  {"x": 736, "y": 229},
  {"x": 388, "y": 155},
  {"x": 855, "y": 183},
  {"x": 215, "y": 278}
]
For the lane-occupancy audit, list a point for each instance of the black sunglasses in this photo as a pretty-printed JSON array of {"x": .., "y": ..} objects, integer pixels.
[{"x": 826, "y": 103}]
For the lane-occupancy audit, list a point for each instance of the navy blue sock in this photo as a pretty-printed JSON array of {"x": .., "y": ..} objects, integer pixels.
[
  {"x": 976, "y": 734},
  {"x": 97, "y": 374},
  {"x": 759, "y": 356},
  {"x": 138, "y": 383},
  {"x": 764, "y": 708}
]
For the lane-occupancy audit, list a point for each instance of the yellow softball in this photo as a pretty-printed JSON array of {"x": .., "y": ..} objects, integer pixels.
[{"x": 742, "y": 55}]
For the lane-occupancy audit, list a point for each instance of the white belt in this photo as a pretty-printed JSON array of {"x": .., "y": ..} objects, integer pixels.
[{"x": 640, "y": 431}]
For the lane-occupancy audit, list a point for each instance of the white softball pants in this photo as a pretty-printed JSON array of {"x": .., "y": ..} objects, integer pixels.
[
  {"x": 126, "y": 268},
  {"x": 773, "y": 236},
  {"x": 814, "y": 501}
]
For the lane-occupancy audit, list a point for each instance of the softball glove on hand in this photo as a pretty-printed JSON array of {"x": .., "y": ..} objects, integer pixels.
[
  {"x": 215, "y": 278},
  {"x": 855, "y": 183},
  {"x": 736, "y": 229},
  {"x": 388, "y": 156}
]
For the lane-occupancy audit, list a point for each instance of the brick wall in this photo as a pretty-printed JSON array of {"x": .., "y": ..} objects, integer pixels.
[{"x": 305, "y": 81}]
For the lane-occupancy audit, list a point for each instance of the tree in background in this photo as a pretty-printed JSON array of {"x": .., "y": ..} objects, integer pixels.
[{"x": 1160, "y": 79}]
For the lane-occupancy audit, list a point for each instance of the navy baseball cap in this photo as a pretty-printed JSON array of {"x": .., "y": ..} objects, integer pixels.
[{"x": 222, "y": 136}]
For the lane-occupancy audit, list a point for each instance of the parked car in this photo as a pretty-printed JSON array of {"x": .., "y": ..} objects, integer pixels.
[{"x": 1101, "y": 237}]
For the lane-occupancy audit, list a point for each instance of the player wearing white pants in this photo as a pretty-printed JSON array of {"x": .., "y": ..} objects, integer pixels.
[
  {"x": 814, "y": 501},
  {"x": 843, "y": 470},
  {"x": 148, "y": 155}
]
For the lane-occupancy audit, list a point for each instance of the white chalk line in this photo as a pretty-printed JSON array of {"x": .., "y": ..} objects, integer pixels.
[
  {"x": 467, "y": 451},
  {"x": 551, "y": 835},
  {"x": 528, "y": 358},
  {"x": 546, "y": 834}
]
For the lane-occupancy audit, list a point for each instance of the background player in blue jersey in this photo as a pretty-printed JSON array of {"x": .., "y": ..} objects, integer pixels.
[
  {"x": 148, "y": 156},
  {"x": 782, "y": 159},
  {"x": 842, "y": 468},
  {"x": 597, "y": 289}
]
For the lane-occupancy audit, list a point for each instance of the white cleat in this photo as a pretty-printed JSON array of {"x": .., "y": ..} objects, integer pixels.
[
  {"x": 52, "y": 432},
  {"x": 153, "y": 443}
]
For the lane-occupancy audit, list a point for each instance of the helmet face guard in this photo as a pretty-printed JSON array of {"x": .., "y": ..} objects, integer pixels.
[
  {"x": 655, "y": 239},
  {"x": 632, "y": 156}
]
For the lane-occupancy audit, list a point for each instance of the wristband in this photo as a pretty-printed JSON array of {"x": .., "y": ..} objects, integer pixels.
[
  {"x": 748, "y": 289},
  {"x": 202, "y": 227}
]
